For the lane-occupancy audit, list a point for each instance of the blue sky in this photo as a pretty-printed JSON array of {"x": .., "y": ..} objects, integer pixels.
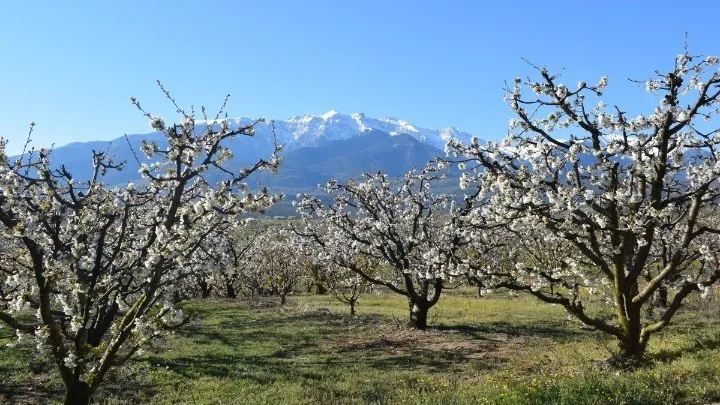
[{"x": 72, "y": 66}]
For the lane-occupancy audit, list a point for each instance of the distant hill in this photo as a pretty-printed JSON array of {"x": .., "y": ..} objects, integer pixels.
[{"x": 374, "y": 150}]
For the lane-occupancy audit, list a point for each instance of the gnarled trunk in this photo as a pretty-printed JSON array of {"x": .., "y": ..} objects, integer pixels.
[
  {"x": 632, "y": 345},
  {"x": 632, "y": 348},
  {"x": 78, "y": 394},
  {"x": 418, "y": 316}
]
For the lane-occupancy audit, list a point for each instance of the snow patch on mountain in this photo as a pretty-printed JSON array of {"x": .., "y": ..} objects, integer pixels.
[{"x": 313, "y": 130}]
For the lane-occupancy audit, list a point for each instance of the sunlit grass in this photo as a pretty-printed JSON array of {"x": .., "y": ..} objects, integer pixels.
[{"x": 494, "y": 350}]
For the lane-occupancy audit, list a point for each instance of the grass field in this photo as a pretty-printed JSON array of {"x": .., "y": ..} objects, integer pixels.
[{"x": 494, "y": 350}]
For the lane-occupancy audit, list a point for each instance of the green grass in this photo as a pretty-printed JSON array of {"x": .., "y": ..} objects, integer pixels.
[{"x": 494, "y": 350}]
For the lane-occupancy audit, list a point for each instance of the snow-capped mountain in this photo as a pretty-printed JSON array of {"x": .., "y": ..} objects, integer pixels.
[
  {"x": 317, "y": 148},
  {"x": 314, "y": 130}
]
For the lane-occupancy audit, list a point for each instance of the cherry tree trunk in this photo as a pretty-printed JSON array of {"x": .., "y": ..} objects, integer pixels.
[
  {"x": 631, "y": 347},
  {"x": 78, "y": 394},
  {"x": 320, "y": 289},
  {"x": 662, "y": 296},
  {"x": 205, "y": 289},
  {"x": 631, "y": 343},
  {"x": 230, "y": 291},
  {"x": 418, "y": 316}
]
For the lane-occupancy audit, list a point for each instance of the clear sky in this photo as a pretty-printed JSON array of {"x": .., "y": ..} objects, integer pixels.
[{"x": 71, "y": 66}]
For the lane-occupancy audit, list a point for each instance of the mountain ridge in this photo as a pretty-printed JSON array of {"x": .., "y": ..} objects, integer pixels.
[
  {"x": 311, "y": 130},
  {"x": 317, "y": 148}
]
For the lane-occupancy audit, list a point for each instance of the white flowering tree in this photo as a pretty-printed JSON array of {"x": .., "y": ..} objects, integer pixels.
[
  {"x": 97, "y": 265},
  {"x": 343, "y": 283},
  {"x": 608, "y": 209},
  {"x": 397, "y": 223},
  {"x": 317, "y": 272},
  {"x": 221, "y": 260},
  {"x": 238, "y": 248},
  {"x": 276, "y": 262},
  {"x": 348, "y": 286}
]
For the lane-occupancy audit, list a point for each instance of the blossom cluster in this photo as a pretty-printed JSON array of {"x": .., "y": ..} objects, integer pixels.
[
  {"x": 99, "y": 265},
  {"x": 632, "y": 203}
]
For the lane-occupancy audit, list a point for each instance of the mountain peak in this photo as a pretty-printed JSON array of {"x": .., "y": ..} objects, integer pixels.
[
  {"x": 329, "y": 114},
  {"x": 317, "y": 148},
  {"x": 312, "y": 130}
]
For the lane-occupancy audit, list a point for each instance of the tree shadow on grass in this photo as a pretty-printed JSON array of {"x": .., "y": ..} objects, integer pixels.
[
  {"x": 281, "y": 327},
  {"x": 488, "y": 329},
  {"x": 27, "y": 379},
  {"x": 258, "y": 369},
  {"x": 287, "y": 364},
  {"x": 126, "y": 385},
  {"x": 314, "y": 342},
  {"x": 28, "y": 393},
  {"x": 309, "y": 345}
]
